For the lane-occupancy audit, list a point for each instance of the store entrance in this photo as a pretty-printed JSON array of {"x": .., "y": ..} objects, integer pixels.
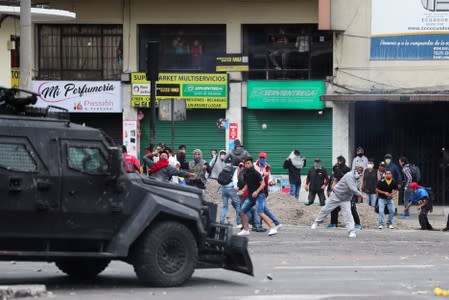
[{"x": 418, "y": 131}]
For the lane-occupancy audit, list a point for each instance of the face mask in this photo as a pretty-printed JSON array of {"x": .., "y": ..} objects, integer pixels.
[
  {"x": 388, "y": 161},
  {"x": 359, "y": 154},
  {"x": 316, "y": 165},
  {"x": 370, "y": 166},
  {"x": 356, "y": 175},
  {"x": 222, "y": 156},
  {"x": 262, "y": 161},
  {"x": 197, "y": 159}
]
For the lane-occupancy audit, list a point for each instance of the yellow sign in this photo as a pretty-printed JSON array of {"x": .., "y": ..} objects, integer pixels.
[
  {"x": 15, "y": 77},
  {"x": 199, "y": 90}
]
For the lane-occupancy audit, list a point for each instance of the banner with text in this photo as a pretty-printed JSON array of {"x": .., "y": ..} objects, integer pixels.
[
  {"x": 199, "y": 90},
  {"x": 80, "y": 96},
  {"x": 409, "y": 30}
]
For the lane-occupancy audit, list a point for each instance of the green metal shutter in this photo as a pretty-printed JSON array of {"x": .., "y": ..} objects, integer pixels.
[
  {"x": 305, "y": 130},
  {"x": 198, "y": 131}
]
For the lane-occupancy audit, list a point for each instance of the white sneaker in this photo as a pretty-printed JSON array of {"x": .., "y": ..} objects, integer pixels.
[
  {"x": 243, "y": 232},
  {"x": 352, "y": 234},
  {"x": 391, "y": 226},
  {"x": 278, "y": 226},
  {"x": 272, "y": 231},
  {"x": 380, "y": 227},
  {"x": 314, "y": 225},
  {"x": 239, "y": 226}
]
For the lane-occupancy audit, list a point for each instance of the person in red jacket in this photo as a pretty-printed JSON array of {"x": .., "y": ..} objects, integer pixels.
[{"x": 130, "y": 163}]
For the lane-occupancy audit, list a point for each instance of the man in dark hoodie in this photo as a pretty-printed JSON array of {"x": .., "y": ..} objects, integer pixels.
[
  {"x": 236, "y": 155},
  {"x": 316, "y": 182}
]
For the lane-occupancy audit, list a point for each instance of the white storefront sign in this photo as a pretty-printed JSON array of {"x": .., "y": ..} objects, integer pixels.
[{"x": 80, "y": 96}]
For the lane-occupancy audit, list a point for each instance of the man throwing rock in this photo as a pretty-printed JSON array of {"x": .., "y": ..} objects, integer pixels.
[{"x": 341, "y": 197}]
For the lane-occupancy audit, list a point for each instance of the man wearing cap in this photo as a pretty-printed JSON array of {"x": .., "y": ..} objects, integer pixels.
[
  {"x": 341, "y": 197},
  {"x": 420, "y": 197},
  {"x": 316, "y": 182}
]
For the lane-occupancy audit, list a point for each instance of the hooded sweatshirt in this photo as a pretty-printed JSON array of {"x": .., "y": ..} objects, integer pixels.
[
  {"x": 347, "y": 187},
  {"x": 237, "y": 155}
]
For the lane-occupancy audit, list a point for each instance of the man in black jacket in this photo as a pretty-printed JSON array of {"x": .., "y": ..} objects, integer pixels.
[
  {"x": 293, "y": 164},
  {"x": 316, "y": 182}
]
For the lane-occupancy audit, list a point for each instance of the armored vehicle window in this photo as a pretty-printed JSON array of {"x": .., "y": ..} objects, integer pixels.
[
  {"x": 16, "y": 157},
  {"x": 87, "y": 160}
]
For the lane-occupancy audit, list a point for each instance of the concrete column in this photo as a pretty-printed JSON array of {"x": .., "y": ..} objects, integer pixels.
[
  {"x": 25, "y": 45},
  {"x": 341, "y": 131}
]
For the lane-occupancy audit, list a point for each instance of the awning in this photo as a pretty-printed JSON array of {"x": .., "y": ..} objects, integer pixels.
[
  {"x": 39, "y": 14},
  {"x": 385, "y": 97}
]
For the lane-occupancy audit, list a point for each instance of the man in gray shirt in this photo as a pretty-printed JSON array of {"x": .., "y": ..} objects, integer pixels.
[{"x": 341, "y": 197}]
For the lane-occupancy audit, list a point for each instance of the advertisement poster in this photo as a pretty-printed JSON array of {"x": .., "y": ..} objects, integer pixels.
[
  {"x": 130, "y": 139},
  {"x": 233, "y": 131},
  {"x": 409, "y": 30},
  {"x": 80, "y": 96},
  {"x": 199, "y": 90}
]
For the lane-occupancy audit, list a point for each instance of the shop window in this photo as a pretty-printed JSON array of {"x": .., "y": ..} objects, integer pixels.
[
  {"x": 80, "y": 52},
  {"x": 289, "y": 51},
  {"x": 184, "y": 48},
  {"x": 16, "y": 157},
  {"x": 87, "y": 160}
]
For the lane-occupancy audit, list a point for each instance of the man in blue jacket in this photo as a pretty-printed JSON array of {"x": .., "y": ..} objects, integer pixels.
[{"x": 420, "y": 197}]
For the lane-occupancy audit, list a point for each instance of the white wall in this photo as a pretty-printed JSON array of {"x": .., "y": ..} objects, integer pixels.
[{"x": 10, "y": 26}]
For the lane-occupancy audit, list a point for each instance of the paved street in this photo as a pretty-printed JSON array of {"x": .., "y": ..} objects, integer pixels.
[{"x": 298, "y": 263}]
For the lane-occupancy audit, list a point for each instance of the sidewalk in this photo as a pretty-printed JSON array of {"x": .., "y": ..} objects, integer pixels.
[{"x": 437, "y": 218}]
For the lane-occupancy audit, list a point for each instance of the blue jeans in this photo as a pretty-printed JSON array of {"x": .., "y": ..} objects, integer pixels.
[
  {"x": 371, "y": 199},
  {"x": 261, "y": 207},
  {"x": 390, "y": 205},
  {"x": 226, "y": 194},
  {"x": 294, "y": 190}
]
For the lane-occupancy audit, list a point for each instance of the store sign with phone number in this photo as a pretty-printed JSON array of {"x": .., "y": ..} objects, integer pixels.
[{"x": 199, "y": 90}]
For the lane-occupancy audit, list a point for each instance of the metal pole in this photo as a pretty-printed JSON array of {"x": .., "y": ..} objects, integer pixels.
[
  {"x": 25, "y": 45},
  {"x": 173, "y": 123},
  {"x": 153, "y": 112}
]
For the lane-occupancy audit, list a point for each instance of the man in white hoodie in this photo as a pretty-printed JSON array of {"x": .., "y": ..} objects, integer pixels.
[{"x": 341, "y": 197}]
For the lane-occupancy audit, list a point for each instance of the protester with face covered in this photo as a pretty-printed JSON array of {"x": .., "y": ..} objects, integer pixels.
[
  {"x": 360, "y": 160},
  {"x": 163, "y": 171},
  {"x": 370, "y": 179},
  {"x": 294, "y": 163},
  {"x": 341, "y": 197},
  {"x": 316, "y": 182},
  {"x": 338, "y": 171},
  {"x": 198, "y": 166},
  {"x": 391, "y": 166},
  {"x": 264, "y": 169},
  {"x": 236, "y": 155},
  {"x": 216, "y": 163}
]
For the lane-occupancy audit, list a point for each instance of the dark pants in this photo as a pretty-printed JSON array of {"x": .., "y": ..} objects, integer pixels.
[
  {"x": 423, "y": 220},
  {"x": 355, "y": 214},
  {"x": 320, "y": 193}
]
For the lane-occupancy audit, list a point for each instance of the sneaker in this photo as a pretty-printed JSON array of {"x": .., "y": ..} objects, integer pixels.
[
  {"x": 331, "y": 226},
  {"x": 239, "y": 226},
  {"x": 272, "y": 231},
  {"x": 278, "y": 226},
  {"x": 380, "y": 227},
  {"x": 243, "y": 232},
  {"x": 260, "y": 229},
  {"x": 358, "y": 226},
  {"x": 352, "y": 234},
  {"x": 314, "y": 225},
  {"x": 391, "y": 226}
]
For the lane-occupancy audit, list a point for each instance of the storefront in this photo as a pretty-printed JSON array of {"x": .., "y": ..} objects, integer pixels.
[
  {"x": 92, "y": 103},
  {"x": 285, "y": 115}
]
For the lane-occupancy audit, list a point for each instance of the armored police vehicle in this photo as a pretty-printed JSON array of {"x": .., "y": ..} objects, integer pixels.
[{"x": 64, "y": 198}]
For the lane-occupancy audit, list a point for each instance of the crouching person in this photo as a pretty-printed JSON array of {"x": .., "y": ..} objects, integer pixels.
[{"x": 420, "y": 197}]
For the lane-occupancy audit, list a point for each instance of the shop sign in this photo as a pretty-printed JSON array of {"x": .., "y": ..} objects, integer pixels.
[
  {"x": 80, "y": 96},
  {"x": 15, "y": 74},
  {"x": 233, "y": 131},
  {"x": 409, "y": 30},
  {"x": 232, "y": 63},
  {"x": 284, "y": 94},
  {"x": 199, "y": 90}
]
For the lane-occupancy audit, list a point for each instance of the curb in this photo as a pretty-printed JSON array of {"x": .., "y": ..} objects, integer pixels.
[{"x": 21, "y": 291}]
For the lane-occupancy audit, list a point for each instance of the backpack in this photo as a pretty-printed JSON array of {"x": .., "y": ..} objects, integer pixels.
[
  {"x": 416, "y": 173},
  {"x": 225, "y": 176}
]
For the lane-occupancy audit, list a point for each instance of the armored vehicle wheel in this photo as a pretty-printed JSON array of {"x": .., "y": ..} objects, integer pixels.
[
  {"x": 82, "y": 268},
  {"x": 166, "y": 255}
]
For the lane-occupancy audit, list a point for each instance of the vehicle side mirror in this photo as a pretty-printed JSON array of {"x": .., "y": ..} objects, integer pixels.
[{"x": 115, "y": 161}]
